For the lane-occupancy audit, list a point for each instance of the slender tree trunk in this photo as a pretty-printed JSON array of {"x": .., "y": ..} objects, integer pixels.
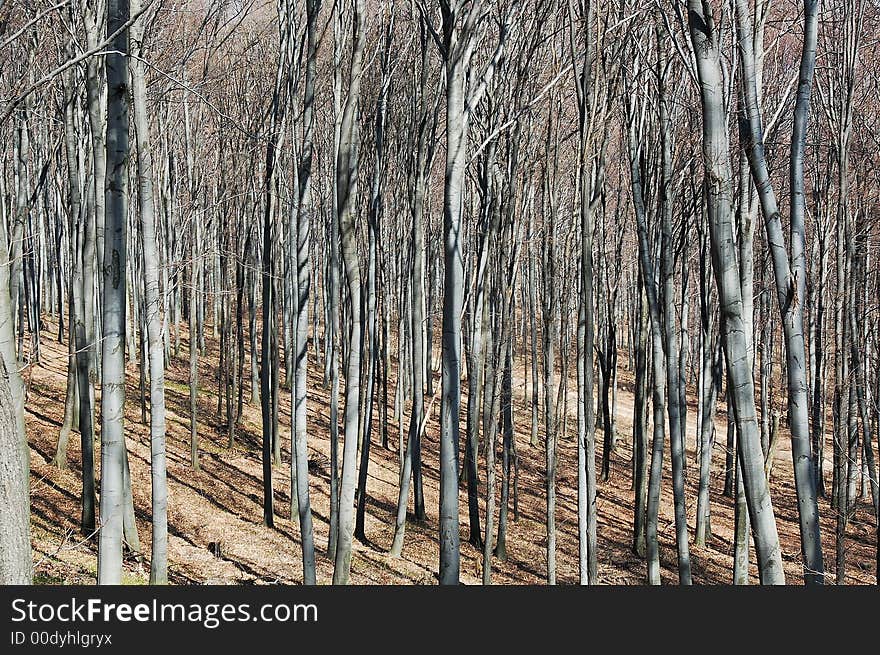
[
  {"x": 507, "y": 452},
  {"x": 640, "y": 422},
  {"x": 658, "y": 357},
  {"x": 346, "y": 185},
  {"x": 371, "y": 342},
  {"x": 667, "y": 272},
  {"x": 299, "y": 445},
  {"x": 709, "y": 392},
  {"x": 159, "y": 556},
  {"x": 193, "y": 348},
  {"x": 77, "y": 320},
  {"x": 533, "y": 330},
  {"x": 417, "y": 318}
]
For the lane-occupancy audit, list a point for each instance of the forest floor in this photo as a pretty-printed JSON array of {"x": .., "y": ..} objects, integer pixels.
[{"x": 222, "y": 502}]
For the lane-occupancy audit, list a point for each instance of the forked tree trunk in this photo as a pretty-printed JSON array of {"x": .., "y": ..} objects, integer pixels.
[
  {"x": 716, "y": 161},
  {"x": 789, "y": 268}
]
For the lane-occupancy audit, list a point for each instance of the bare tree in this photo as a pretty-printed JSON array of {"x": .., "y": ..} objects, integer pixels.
[
  {"x": 114, "y": 309},
  {"x": 718, "y": 180},
  {"x": 347, "y": 162},
  {"x": 149, "y": 248}
]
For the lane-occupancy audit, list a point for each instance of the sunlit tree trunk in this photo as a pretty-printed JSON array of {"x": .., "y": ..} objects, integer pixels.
[{"x": 114, "y": 305}]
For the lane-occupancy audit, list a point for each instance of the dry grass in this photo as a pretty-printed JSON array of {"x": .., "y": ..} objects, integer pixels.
[{"x": 223, "y": 501}]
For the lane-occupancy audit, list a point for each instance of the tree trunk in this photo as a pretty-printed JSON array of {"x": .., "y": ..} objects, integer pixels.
[
  {"x": 299, "y": 445},
  {"x": 790, "y": 273},
  {"x": 640, "y": 421},
  {"x": 159, "y": 557},
  {"x": 85, "y": 391},
  {"x": 114, "y": 308},
  {"x": 16, "y": 563},
  {"x": 716, "y": 160},
  {"x": 346, "y": 185},
  {"x": 417, "y": 318}
]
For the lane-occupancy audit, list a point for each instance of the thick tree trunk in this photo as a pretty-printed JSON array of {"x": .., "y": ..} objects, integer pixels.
[
  {"x": 458, "y": 44},
  {"x": 16, "y": 564},
  {"x": 740, "y": 532},
  {"x": 114, "y": 308}
]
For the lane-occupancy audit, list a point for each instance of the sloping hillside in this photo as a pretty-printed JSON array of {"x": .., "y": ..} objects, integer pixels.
[{"x": 221, "y": 503}]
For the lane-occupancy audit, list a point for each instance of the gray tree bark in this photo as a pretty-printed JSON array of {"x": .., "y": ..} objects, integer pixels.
[
  {"x": 301, "y": 303},
  {"x": 77, "y": 233},
  {"x": 146, "y": 209},
  {"x": 114, "y": 305},
  {"x": 716, "y": 160},
  {"x": 16, "y": 564},
  {"x": 346, "y": 185},
  {"x": 670, "y": 329},
  {"x": 417, "y": 319},
  {"x": 789, "y": 267}
]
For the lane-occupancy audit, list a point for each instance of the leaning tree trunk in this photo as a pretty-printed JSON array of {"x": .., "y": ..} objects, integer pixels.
[
  {"x": 719, "y": 176},
  {"x": 790, "y": 273}
]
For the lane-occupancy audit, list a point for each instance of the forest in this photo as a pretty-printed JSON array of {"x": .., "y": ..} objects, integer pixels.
[{"x": 439, "y": 292}]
